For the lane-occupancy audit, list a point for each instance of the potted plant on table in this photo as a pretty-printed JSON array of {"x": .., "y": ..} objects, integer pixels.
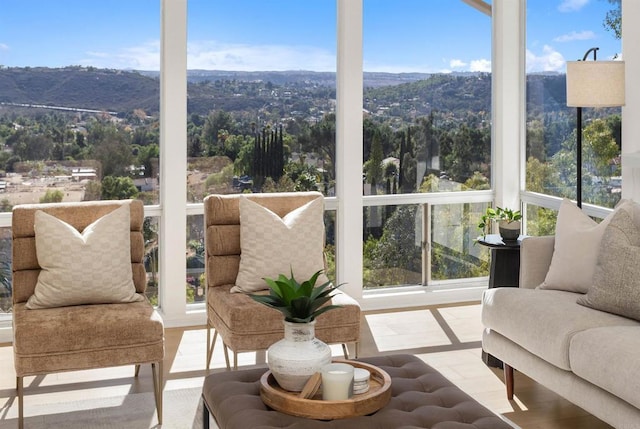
[
  {"x": 509, "y": 222},
  {"x": 299, "y": 355}
]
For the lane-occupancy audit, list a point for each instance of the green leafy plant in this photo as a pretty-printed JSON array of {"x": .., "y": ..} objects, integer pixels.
[
  {"x": 298, "y": 302},
  {"x": 496, "y": 215}
]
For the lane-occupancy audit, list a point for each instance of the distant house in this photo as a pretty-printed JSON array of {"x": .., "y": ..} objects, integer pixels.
[{"x": 83, "y": 173}]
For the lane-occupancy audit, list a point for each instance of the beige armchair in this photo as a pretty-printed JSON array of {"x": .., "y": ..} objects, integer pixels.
[
  {"x": 244, "y": 324},
  {"x": 81, "y": 337}
]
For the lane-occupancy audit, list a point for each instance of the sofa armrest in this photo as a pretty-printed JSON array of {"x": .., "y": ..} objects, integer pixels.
[{"x": 535, "y": 259}]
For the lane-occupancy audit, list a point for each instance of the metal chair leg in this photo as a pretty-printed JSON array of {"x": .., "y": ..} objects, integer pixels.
[
  {"x": 357, "y": 352},
  {"x": 235, "y": 361},
  {"x": 158, "y": 388},
  {"x": 137, "y": 371},
  {"x": 210, "y": 345},
  {"x": 226, "y": 355},
  {"x": 345, "y": 352},
  {"x": 20, "y": 391}
]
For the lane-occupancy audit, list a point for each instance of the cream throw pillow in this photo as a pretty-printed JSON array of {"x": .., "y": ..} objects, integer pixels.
[
  {"x": 271, "y": 245},
  {"x": 616, "y": 282},
  {"x": 89, "y": 268},
  {"x": 577, "y": 242}
]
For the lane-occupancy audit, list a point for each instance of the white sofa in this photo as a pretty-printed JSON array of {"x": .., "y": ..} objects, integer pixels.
[{"x": 590, "y": 357}]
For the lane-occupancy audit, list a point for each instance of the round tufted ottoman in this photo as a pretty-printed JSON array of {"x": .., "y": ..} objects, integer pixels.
[{"x": 421, "y": 398}]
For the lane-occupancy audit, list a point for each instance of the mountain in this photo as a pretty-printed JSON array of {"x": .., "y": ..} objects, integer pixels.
[
  {"x": 292, "y": 92},
  {"x": 83, "y": 87}
]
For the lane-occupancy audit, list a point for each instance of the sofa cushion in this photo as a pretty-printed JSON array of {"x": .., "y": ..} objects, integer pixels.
[
  {"x": 575, "y": 251},
  {"x": 542, "y": 321},
  {"x": 609, "y": 358},
  {"x": 616, "y": 282}
]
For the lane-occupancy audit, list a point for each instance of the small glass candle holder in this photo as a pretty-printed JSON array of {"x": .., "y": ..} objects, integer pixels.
[
  {"x": 337, "y": 382},
  {"x": 360, "y": 381}
]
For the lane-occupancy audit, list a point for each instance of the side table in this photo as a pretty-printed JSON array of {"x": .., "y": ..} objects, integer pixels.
[
  {"x": 504, "y": 272},
  {"x": 505, "y": 260}
]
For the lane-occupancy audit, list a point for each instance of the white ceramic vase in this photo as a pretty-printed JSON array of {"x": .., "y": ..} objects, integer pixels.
[{"x": 299, "y": 355}]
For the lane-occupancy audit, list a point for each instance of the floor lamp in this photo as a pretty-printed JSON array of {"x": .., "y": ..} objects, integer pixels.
[{"x": 592, "y": 84}]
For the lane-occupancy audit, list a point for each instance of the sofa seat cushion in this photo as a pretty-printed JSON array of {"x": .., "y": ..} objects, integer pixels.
[
  {"x": 52, "y": 338},
  {"x": 543, "y": 321},
  {"x": 609, "y": 358},
  {"x": 252, "y": 321}
]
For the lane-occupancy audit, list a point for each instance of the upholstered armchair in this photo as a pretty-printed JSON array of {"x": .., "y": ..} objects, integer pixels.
[
  {"x": 244, "y": 324},
  {"x": 50, "y": 336}
]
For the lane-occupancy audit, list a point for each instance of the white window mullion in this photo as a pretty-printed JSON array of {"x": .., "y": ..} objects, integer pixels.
[
  {"x": 349, "y": 147},
  {"x": 173, "y": 159},
  {"x": 508, "y": 100}
]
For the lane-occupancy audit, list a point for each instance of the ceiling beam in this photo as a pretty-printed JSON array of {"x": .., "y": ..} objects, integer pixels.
[{"x": 480, "y": 5}]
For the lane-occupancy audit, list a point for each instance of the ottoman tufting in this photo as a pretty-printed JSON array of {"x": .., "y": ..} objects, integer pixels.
[{"x": 421, "y": 398}]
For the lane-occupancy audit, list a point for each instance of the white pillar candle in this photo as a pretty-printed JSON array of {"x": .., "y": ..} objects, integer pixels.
[{"x": 337, "y": 381}]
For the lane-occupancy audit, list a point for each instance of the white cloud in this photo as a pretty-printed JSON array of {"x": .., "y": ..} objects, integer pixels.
[
  {"x": 218, "y": 56},
  {"x": 575, "y": 35},
  {"x": 457, "y": 64},
  {"x": 572, "y": 5},
  {"x": 480, "y": 65},
  {"x": 4, "y": 47},
  {"x": 212, "y": 55},
  {"x": 549, "y": 60},
  {"x": 143, "y": 57}
]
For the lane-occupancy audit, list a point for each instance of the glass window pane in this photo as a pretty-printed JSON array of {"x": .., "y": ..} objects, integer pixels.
[
  {"x": 395, "y": 252},
  {"x": 79, "y": 119},
  {"x": 5, "y": 271},
  {"x": 427, "y": 97},
  {"x": 557, "y": 33},
  {"x": 261, "y": 86}
]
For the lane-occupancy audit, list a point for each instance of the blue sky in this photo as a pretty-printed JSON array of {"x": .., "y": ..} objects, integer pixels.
[{"x": 399, "y": 35}]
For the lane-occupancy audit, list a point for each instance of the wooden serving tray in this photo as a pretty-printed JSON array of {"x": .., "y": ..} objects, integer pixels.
[{"x": 369, "y": 402}]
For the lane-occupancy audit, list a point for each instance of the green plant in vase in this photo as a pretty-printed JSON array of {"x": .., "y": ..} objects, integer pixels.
[
  {"x": 508, "y": 222},
  {"x": 299, "y": 355}
]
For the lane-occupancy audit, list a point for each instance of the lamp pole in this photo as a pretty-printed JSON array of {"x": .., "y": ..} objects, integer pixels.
[{"x": 579, "y": 140}]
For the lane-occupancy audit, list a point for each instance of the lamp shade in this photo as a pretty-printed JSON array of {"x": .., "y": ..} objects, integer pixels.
[{"x": 595, "y": 83}]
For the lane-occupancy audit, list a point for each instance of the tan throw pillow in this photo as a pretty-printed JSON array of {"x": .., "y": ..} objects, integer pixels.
[
  {"x": 89, "y": 268},
  {"x": 616, "y": 281},
  {"x": 575, "y": 252},
  {"x": 271, "y": 245}
]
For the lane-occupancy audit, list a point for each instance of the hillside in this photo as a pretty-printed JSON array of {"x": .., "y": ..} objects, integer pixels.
[
  {"x": 250, "y": 92},
  {"x": 87, "y": 88}
]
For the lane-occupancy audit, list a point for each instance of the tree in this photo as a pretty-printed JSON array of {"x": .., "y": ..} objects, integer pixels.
[
  {"x": 111, "y": 146},
  {"x": 613, "y": 19},
  {"x": 118, "y": 188},
  {"x": 52, "y": 196},
  {"x": 373, "y": 167}
]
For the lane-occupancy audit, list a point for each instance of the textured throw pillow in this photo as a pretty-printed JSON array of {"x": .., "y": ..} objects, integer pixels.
[
  {"x": 271, "y": 245},
  {"x": 89, "y": 268},
  {"x": 616, "y": 281},
  {"x": 575, "y": 252}
]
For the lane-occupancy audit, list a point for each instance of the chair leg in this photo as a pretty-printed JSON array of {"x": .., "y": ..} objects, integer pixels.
[
  {"x": 210, "y": 344},
  {"x": 158, "y": 388},
  {"x": 226, "y": 355},
  {"x": 137, "y": 371},
  {"x": 20, "y": 391},
  {"x": 357, "y": 351},
  {"x": 508, "y": 380},
  {"x": 235, "y": 360},
  {"x": 345, "y": 351}
]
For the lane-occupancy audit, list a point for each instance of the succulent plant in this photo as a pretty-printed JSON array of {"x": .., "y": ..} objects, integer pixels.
[{"x": 298, "y": 302}]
